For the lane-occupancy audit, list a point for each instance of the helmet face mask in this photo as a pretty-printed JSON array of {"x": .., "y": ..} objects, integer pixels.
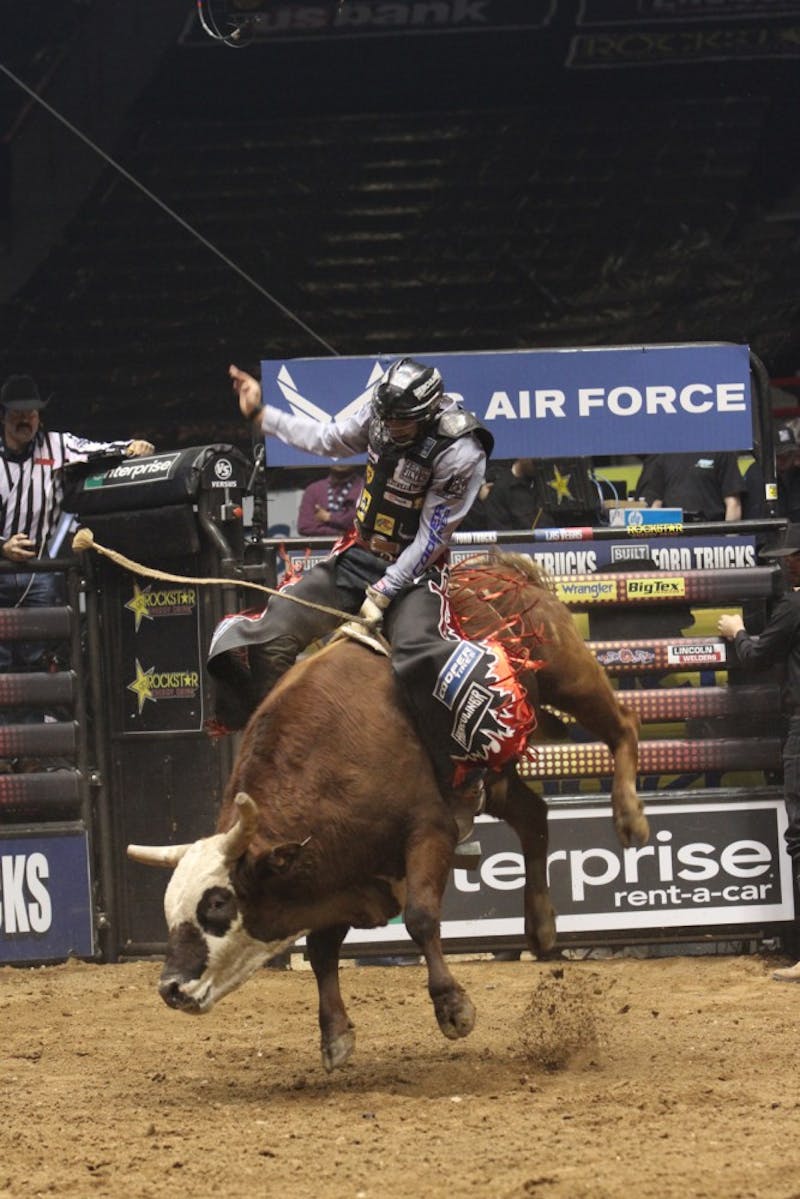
[
  {"x": 409, "y": 394},
  {"x": 402, "y": 432}
]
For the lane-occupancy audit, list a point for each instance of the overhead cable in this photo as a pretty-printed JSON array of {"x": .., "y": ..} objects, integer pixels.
[{"x": 169, "y": 211}]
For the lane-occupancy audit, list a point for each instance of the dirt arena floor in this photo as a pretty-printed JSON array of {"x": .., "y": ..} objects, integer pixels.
[{"x": 649, "y": 1079}]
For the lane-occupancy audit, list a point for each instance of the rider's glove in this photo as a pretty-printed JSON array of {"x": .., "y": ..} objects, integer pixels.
[{"x": 373, "y": 608}]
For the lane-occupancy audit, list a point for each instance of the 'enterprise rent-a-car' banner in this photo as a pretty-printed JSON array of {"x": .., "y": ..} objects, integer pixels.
[
  {"x": 707, "y": 864},
  {"x": 551, "y": 403}
]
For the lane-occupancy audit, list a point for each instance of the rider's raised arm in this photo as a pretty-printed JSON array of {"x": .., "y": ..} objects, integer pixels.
[{"x": 331, "y": 439}]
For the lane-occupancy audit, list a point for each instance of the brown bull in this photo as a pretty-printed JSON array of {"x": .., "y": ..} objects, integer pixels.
[{"x": 332, "y": 817}]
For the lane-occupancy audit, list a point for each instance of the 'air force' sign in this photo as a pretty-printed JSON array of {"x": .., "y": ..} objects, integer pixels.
[{"x": 552, "y": 403}]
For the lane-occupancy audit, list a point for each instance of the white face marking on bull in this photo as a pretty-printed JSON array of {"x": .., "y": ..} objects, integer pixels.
[{"x": 209, "y": 952}]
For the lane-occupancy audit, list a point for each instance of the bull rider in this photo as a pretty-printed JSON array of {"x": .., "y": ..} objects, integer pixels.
[{"x": 426, "y": 460}]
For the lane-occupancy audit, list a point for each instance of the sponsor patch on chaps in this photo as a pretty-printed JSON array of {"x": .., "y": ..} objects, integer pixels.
[
  {"x": 453, "y": 674},
  {"x": 470, "y": 714}
]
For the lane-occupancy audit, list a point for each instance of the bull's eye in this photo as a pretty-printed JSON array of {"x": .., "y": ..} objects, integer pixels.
[{"x": 216, "y": 910}]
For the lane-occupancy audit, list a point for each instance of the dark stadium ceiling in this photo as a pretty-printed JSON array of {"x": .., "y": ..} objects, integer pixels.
[{"x": 611, "y": 171}]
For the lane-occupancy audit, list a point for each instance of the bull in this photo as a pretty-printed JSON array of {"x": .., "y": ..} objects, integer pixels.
[{"x": 332, "y": 817}]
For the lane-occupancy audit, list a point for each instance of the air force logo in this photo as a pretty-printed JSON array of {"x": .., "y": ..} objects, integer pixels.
[{"x": 305, "y": 407}]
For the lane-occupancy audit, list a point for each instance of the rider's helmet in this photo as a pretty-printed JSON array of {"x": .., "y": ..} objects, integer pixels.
[{"x": 409, "y": 391}]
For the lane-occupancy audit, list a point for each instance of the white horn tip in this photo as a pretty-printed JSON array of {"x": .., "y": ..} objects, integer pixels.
[
  {"x": 245, "y": 802},
  {"x": 157, "y": 855}
]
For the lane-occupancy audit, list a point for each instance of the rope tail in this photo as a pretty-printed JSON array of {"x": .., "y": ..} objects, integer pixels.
[{"x": 84, "y": 540}]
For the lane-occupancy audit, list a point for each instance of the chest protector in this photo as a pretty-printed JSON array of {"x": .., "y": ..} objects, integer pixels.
[{"x": 398, "y": 478}]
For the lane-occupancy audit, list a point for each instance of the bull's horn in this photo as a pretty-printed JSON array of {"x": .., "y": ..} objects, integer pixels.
[
  {"x": 238, "y": 838},
  {"x": 158, "y": 855}
]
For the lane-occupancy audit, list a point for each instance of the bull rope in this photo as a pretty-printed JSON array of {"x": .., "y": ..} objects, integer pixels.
[{"x": 84, "y": 540}]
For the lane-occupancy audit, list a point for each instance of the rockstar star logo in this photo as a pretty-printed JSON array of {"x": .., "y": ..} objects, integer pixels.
[
  {"x": 560, "y": 485},
  {"x": 138, "y": 605},
  {"x": 142, "y": 685}
]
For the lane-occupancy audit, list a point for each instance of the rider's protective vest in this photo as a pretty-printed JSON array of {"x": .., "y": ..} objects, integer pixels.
[{"x": 398, "y": 477}]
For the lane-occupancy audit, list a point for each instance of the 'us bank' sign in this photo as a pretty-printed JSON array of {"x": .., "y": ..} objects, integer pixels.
[{"x": 552, "y": 403}]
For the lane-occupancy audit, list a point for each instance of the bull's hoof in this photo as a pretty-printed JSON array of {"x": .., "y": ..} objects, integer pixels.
[
  {"x": 541, "y": 931},
  {"x": 633, "y": 829},
  {"x": 336, "y": 1052},
  {"x": 455, "y": 1014}
]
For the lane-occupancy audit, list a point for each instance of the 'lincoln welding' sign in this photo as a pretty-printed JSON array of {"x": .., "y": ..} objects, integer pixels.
[{"x": 551, "y": 403}]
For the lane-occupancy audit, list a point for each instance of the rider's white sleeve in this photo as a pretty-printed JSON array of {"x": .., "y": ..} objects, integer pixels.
[{"x": 330, "y": 439}]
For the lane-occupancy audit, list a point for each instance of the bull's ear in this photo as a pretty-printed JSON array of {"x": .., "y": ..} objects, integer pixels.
[
  {"x": 280, "y": 858},
  {"x": 272, "y": 860}
]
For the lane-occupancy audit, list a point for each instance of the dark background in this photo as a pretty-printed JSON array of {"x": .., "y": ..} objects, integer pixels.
[{"x": 394, "y": 193}]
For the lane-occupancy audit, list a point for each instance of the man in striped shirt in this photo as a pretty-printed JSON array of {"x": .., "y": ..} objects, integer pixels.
[{"x": 31, "y": 493}]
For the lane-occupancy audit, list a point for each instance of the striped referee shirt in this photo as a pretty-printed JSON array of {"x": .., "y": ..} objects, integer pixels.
[{"x": 32, "y": 484}]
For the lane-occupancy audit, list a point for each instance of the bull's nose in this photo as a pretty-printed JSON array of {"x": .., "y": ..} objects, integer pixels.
[{"x": 170, "y": 991}]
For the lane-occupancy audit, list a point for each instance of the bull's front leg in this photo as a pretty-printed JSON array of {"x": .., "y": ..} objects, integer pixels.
[
  {"x": 429, "y": 857},
  {"x": 337, "y": 1036}
]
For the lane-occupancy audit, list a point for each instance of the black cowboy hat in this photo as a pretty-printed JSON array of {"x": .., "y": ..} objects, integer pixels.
[
  {"x": 789, "y": 545},
  {"x": 19, "y": 393}
]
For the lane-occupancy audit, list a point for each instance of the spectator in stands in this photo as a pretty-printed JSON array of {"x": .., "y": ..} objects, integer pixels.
[
  {"x": 787, "y": 468},
  {"x": 642, "y": 483},
  {"x": 779, "y": 642},
  {"x": 705, "y": 486},
  {"x": 506, "y": 500},
  {"x": 31, "y": 492},
  {"x": 328, "y": 506},
  {"x": 537, "y": 493}
]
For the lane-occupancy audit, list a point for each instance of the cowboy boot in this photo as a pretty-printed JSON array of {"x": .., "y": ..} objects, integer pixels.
[
  {"x": 791, "y": 974},
  {"x": 787, "y": 974},
  {"x": 467, "y": 801},
  {"x": 233, "y": 697}
]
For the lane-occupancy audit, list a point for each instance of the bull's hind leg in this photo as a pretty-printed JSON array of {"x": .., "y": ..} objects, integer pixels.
[
  {"x": 618, "y": 726},
  {"x": 337, "y": 1037},
  {"x": 429, "y": 857},
  {"x": 525, "y": 812},
  {"x": 591, "y": 699},
  {"x": 629, "y": 818}
]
